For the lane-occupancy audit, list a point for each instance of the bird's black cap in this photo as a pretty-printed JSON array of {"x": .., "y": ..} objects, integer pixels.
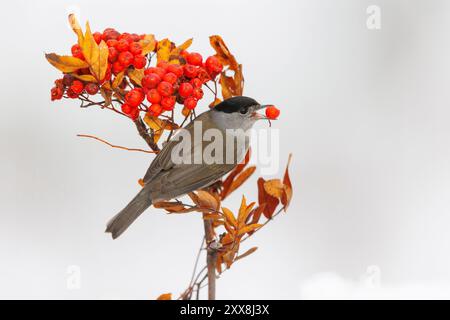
[{"x": 235, "y": 104}]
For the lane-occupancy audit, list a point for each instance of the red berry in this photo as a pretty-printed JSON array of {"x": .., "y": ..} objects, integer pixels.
[
  {"x": 135, "y": 48},
  {"x": 97, "y": 37},
  {"x": 150, "y": 81},
  {"x": 165, "y": 88},
  {"x": 190, "y": 71},
  {"x": 175, "y": 68},
  {"x": 190, "y": 103},
  {"x": 56, "y": 93},
  {"x": 155, "y": 110},
  {"x": 196, "y": 83},
  {"x": 125, "y": 58},
  {"x": 185, "y": 89},
  {"x": 117, "y": 67},
  {"x": 139, "y": 61},
  {"x": 110, "y": 34},
  {"x": 195, "y": 59},
  {"x": 272, "y": 112},
  {"x": 72, "y": 94},
  {"x": 122, "y": 45},
  {"x": 68, "y": 79},
  {"x": 92, "y": 88},
  {"x": 126, "y": 108},
  {"x": 135, "y": 37},
  {"x": 170, "y": 77},
  {"x": 168, "y": 103},
  {"x": 213, "y": 65},
  {"x": 76, "y": 52},
  {"x": 159, "y": 71},
  {"x": 112, "y": 54},
  {"x": 77, "y": 86},
  {"x": 163, "y": 64},
  {"x": 197, "y": 93},
  {"x": 153, "y": 96},
  {"x": 134, "y": 97},
  {"x": 111, "y": 42}
]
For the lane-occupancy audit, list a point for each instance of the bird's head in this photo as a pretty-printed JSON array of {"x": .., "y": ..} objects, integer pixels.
[{"x": 237, "y": 113}]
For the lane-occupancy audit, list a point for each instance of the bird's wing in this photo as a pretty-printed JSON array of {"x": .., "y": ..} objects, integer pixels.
[{"x": 182, "y": 179}]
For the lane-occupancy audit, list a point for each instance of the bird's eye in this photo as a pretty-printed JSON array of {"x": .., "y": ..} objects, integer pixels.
[{"x": 244, "y": 110}]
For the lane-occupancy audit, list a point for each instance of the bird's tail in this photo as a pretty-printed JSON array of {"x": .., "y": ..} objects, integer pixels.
[{"x": 121, "y": 221}]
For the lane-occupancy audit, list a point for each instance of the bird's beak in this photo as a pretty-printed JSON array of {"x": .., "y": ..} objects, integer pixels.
[{"x": 259, "y": 116}]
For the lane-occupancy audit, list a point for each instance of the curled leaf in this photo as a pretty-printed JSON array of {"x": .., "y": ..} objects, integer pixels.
[
  {"x": 207, "y": 200},
  {"x": 274, "y": 187},
  {"x": 148, "y": 44},
  {"x": 222, "y": 52},
  {"x": 287, "y": 191},
  {"x": 76, "y": 28}
]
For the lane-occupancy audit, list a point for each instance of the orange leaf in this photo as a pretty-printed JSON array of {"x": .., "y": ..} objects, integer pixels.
[
  {"x": 66, "y": 63},
  {"x": 229, "y": 216},
  {"x": 287, "y": 191},
  {"x": 186, "y": 112},
  {"x": 270, "y": 202},
  {"x": 246, "y": 253},
  {"x": 229, "y": 179},
  {"x": 256, "y": 213},
  {"x": 222, "y": 52},
  {"x": 215, "y": 102},
  {"x": 118, "y": 79},
  {"x": 241, "y": 178},
  {"x": 85, "y": 77},
  {"x": 207, "y": 200},
  {"x": 244, "y": 211},
  {"x": 249, "y": 228},
  {"x": 274, "y": 187},
  {"x": 141, "y": 182},
  {"x": 165, "y": 296},
  {"x": 171, "y": 206}
]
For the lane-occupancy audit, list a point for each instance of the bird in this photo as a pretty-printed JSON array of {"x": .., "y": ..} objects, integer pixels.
[{"x": 167, "y": 178}]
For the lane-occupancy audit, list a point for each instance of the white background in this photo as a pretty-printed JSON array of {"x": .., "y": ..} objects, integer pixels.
[{"x": 364, "y": 112}]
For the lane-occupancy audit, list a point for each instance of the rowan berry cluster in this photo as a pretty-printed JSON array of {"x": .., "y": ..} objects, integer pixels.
[{"x": 163, "y": 85}]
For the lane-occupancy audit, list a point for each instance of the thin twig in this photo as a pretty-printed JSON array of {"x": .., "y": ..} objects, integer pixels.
[{"x": 113, "y": 145}]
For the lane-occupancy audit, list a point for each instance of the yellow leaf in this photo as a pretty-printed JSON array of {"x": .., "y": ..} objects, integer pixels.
[
  {"x": 148, "y": 44},
  {"x": 66, "y": 63},
  {"x": 85, "y": 77},
  {"x": 165, "y": 296},
  {"x": 175, "y": 53},
  {"x": 246, "y": 253},
  {"x": 229, "y": 216},
  {"x": 91, "y": 51},
  {"x": 249, "y": 228},
  {"x": 102, "y": 60},
  {"x": 136, "y": 75},
  {"x": 76, "y": 28},
  {"x": 158, "y": 126},
  {"x": 118, "y": 79},
  {"x": 164, "y": 48},
  {"x": 274, "y": 187}
]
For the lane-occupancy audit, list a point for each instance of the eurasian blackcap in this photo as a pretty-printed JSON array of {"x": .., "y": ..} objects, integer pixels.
[{"x": 167, "y": 178}]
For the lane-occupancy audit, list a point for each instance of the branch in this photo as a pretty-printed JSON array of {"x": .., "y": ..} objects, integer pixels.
[
  {"x": 113, "y": 145},
  {"x": 143, "y": 132},
  {"x": 211, "y": 257}
]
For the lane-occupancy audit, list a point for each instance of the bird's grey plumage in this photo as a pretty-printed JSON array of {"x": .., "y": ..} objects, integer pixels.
[{"x": 166, "y": 180}]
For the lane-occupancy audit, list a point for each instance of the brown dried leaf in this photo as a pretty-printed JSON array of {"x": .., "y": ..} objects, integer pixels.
[
  {"x": 287, "y": 191},
  {"x": 172, "y": 207},
  {"x": 246, "y": 253},
  {"x": 222, "y": 52},
  {"x": 274, "y": 187},
  {"x": 107, "y": 95},
  {"x": 66, "y": 63}
]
